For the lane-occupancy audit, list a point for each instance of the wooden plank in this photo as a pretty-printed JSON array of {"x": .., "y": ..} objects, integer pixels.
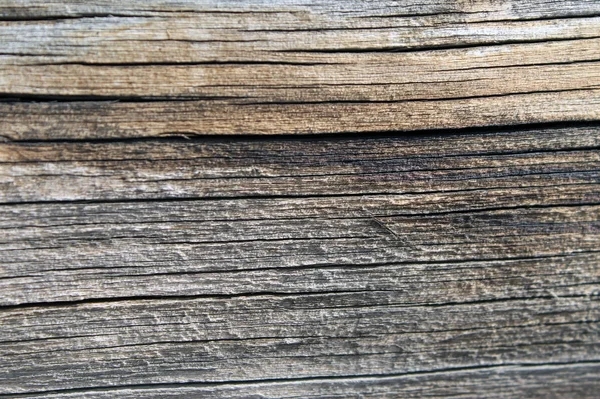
[
  {"x": 574, "y": 381},
  {"x": 427, "y": 75},
  {"x": 371, "y": 265},
  {"x": 223, "y": 169},
  {"x": 143, "y": 256},
  {"x": 98, "y": 120},
  {"x": 72, "y": 271},
  {"x": 53, "y": 9},
  {"x": 247, "y": 211},
  {"x": 249, "y": 338},
  {"x": 292, "y": 68}
]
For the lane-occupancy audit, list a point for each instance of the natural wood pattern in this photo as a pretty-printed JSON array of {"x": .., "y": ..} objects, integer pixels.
[
  {"x": 293, "y": 68},
  {"x": 142, "y": 255},
  {"x": 274, "y": 337},
  {"x": 224, "y": 168},
  {"x": 96, "y": 120},
  {"x": 347, "y": 258},
  {"x": 559, "y": 381},
  {"x": 282, "y": 31}
]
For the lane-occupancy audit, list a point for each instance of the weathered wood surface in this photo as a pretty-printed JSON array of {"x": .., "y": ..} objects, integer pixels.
[
  {"x": 557, "y": 381},
  {"x": 434, "y": 260},
  {"x": 292, "y": 67},
  {"x": 138, "y": 263}
]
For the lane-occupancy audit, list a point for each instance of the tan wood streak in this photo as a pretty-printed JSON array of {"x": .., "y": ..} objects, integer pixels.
[
  {"x": 93, "y": 120},
  {"x": 394, "y": 61}
]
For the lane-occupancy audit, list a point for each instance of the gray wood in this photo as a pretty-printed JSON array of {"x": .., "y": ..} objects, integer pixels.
[
  {"x": 285, "y": 336},
  {"x": 435, "y": 164},
  {"x": 265, "y": 31},
  {"x": 386, "y": 266},
  {"x": 144, "y": 255},
  {"x": 557, "y": 381}
]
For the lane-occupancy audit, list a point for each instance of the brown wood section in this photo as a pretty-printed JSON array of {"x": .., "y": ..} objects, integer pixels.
[
  {"x": 292, "y": 67},
  {"x": 287, "y": 199}
]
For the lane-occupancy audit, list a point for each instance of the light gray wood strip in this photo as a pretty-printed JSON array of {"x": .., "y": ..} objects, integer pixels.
[
  {"x": 250, "y": 338},
  {"x": 546, "y": 381}
]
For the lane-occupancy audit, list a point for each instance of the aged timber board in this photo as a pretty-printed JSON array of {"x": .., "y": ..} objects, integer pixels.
[{"x": 285, "y": 199}]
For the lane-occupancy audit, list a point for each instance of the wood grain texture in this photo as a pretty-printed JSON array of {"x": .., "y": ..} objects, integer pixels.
[
  {"x": 181, "y": 217},
  {"x": 290, "y": 67},
  {"x": 559, "y": 381},
  {"x": 220, "y": 168},
  {"x": 302, "y": 267}
]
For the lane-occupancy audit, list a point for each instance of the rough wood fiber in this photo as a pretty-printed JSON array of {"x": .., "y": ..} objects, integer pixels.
[
  {"x": 459, "y": 263},
  {"x": 312, "y": 268},
  {"x": 152, "y": 169},
  {"x": 556, "y": 381},
  {"x": 291, "y": 67}
]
